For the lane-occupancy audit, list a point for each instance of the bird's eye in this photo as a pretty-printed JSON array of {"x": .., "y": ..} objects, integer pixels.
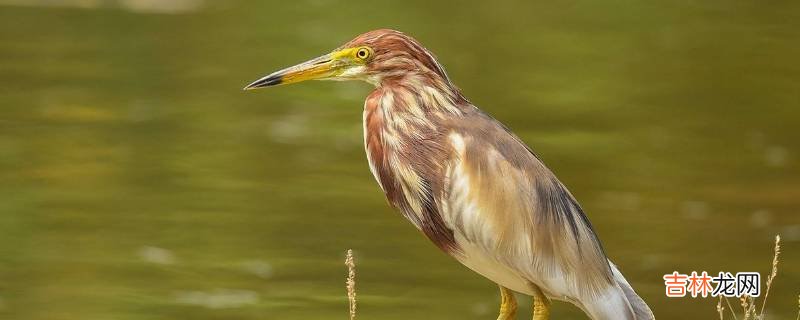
[{"x": 362, "y": 53}]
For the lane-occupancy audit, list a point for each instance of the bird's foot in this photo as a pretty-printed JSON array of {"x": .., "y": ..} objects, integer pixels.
[
  {"x": 541, "y": 305},
  {"x": 508, "y": 305}
]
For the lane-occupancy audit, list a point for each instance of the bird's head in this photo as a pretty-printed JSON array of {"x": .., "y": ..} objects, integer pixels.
[{"x": 376, "y": 57}]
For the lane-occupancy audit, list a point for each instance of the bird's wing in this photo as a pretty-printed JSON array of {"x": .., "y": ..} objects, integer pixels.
[{"x": 499, "y": 196}]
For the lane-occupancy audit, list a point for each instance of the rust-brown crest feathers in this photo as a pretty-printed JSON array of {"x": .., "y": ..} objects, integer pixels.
[{"x": 396, "y": 51}]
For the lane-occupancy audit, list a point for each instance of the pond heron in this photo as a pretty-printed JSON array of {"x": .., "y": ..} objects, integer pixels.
[{"x": 469, "y": 184}]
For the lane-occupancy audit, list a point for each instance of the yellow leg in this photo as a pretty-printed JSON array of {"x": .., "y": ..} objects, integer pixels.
[
  {"x": 508, "y": 305},
  {"x": 541, "y": 305}
]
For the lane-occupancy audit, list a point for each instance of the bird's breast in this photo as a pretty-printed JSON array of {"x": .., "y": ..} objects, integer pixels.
[
  {"x": 406, "y": 157},
  {"x": 373, "y": 137}
]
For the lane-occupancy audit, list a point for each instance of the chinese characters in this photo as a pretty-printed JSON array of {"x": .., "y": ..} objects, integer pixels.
[{"x": 724, "y": 284}]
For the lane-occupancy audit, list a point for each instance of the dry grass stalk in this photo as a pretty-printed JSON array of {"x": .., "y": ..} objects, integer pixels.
[
  {"x": 730, "y": 308},
  {"x": 772, "y": 274},
  {"x": 752, "y": 309},
  {"x": 351, "y": 282},
  {"x": 748, "y": 303},
  {"x": 745, "y": 302}
]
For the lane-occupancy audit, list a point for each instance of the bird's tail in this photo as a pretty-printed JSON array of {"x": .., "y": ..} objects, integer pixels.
[
  {"x": 619, "y": 302},
  {"x": 640, "y": 309}
]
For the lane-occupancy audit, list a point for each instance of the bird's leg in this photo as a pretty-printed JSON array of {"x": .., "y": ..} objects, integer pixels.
[
  {"x": 508, "y": 305},
  {"x": 541, "y": 305}
]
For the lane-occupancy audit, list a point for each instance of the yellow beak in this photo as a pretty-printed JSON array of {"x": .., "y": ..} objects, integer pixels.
[{"x": 319, "y": 68}]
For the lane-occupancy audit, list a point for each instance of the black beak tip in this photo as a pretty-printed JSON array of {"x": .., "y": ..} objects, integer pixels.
[{"x": 264, "y": 82}]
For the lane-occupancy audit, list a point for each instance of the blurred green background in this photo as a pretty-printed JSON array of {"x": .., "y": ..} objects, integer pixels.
[{"x": 140, "y": 182}]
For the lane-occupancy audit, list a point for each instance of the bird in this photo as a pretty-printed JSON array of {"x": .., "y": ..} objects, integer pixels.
[{"x": 469, "y": 184}]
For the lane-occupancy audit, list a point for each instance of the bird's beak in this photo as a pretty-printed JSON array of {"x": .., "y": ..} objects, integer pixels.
[{"x": 324, "y": 67}]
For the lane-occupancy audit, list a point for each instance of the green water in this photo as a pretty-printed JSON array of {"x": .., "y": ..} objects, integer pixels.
[{"x": 140, "y": 182}]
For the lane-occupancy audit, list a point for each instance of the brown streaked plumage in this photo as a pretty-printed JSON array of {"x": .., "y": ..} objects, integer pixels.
[{"x": 468, "y": 183}]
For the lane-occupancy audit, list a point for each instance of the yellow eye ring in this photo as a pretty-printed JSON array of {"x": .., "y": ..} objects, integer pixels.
[{"x": 363, "y": 53}]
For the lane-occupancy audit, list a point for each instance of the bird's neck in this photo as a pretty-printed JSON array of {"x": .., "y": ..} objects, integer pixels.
[
  {"x": 405, "y": 130},
  {"x": 407, "y": 120},
  {"x": 419, "y": 91},
  {"x": 409, "y": 109}
]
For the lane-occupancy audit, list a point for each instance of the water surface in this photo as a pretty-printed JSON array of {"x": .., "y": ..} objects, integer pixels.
[{"x": 139, "y": 182}]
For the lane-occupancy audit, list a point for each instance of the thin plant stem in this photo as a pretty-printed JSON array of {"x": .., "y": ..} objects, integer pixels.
[
  {"x": 745, "y": 306},
  {"x": 731, "y": 309},
  {"x": 720, "y": 308},
  {"x": 351, "y": 282},
  {"x": 772, "y": 274}
]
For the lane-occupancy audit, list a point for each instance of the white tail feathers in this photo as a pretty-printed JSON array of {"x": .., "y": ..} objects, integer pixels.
[
  {"x": 640, "y": 309},
  {"x": 620, "y": 302}
]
